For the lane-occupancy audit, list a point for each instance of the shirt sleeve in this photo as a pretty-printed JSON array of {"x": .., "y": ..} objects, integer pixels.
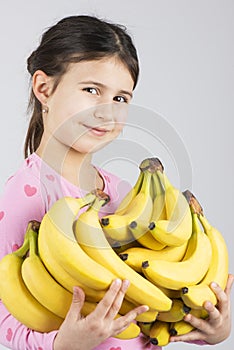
[{"x": 23, "y": 199}]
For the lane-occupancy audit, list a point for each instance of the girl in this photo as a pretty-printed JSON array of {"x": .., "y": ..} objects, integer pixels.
[{"x": 83, "y": 75}]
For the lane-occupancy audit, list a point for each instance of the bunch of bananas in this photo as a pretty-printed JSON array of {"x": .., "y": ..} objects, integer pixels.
[{"x": 154, "y": 239}]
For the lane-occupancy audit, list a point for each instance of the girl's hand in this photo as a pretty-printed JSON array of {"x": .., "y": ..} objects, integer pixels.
[
  {"x": 85, "y": 333},
  {"x": 217, "y": 327}
]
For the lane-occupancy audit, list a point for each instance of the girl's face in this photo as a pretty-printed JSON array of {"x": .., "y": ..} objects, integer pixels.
[{"x": 89, "y": 106}]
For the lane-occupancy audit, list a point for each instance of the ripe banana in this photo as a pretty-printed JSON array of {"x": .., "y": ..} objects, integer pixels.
[
  {"x": 142, "y": 235},
  {"x": 183, "y": 327},
  {"x": 177, "y": 228},
  {"x": 170, "y": 293},
  {"x": 140, "y": 208},
  {"x": 176, "y": 275},
  {"x": 126, "y": 201},
  {"x": 64, "y": 278},
  {"x": 148, "y": 316},
  {"x": 91, "y": 238},
  {"x": 41, "y": 284},
  {"x": 120, "y": 247},
  {"x": 159, "y": 333},
  {"x": 159, "y": 207},
  {"x": 25, "y": 308},
  {"x": 176, "y": 313},
  {"x": 136, "y": 255},
  {"x": 180, "y": 328},
  {"x": 132, "y": 331},
  {"x": 56, "y": 230},
  {"x": 145, "y": 327},
  {"x": 195, "y": 296}
]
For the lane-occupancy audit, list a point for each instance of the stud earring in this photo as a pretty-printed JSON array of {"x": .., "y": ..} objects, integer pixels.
[{"x": 45, "y": 110}]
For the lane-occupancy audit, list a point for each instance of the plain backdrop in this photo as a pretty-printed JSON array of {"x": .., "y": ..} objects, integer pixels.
[{"x": 186, "y": 83}]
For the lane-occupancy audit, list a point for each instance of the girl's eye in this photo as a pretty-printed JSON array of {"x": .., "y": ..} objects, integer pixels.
[
  {"x": 91, "y": 90},
  {"x": 120, "y": 99}
]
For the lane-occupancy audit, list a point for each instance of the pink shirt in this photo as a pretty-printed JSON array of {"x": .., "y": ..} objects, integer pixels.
[{"x": 27, "y": 195}]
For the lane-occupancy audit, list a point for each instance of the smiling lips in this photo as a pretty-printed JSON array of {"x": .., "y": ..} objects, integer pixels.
[{"x": 97, "y": 131}]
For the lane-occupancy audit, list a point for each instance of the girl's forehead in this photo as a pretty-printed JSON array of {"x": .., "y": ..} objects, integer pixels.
[
  {"x": 96, "y": 65},
  {"x": 109, "y": 69}
]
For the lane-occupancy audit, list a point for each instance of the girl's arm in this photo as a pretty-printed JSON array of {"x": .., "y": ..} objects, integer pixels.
[{"x": 21, "y": 201}]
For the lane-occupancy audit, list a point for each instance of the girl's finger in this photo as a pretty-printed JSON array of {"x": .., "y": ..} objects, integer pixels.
[
  {"x": 114, "y": 308},
  {"x": 214, "y": 313},
  {"x": 124, "y": 321},
  {"x": 104, "y": 305},
  {"x": 191, "y": 336},
  {"x": 77, "y": 304},
  {"x": 221, "y": 296},
  {"x": 229, "y": 285},
  {"x": 198, "y": 323}
]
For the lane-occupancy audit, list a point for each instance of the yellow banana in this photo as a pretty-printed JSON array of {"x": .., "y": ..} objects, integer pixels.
[
  {"x": 136, "y": 255},
  {"x": 199, "y": 313},
  {"x": 142, "y": 235},
  {"x": 119, "y": 247},
  {"x": 41, "y": 284},
  {"x": 126, "y": 306},
  {"x": 180, "y": 328},
  {"x": 177, "y": 228},
  {"x": 176, "y": 275},
  {"x": 140, "y": 208},
  {"x": 91, "y": 238},
  {"x": 64, "y": 278},
  {"x": 176, "y": 313},
  {"x": 195, "y": 296},
  {"x": 148, "y": 316},
  {"x": 23, "y": 306},
  {"x": 170, "y": 293},
  {"x": 145, "y": 327},
  {"x": 132, "y": 331},
  {"x": 126, "y": 201},
  {"x": 56, "y": 230},
  {"x": 159, "y": 207},
  {"x": 159, "y": 333}
]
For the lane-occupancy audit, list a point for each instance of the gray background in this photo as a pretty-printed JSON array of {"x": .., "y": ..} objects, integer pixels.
[{"x": 186, "y": 56}]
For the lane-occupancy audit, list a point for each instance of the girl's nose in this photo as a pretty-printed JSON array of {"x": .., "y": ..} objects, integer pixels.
[{"x": 104, "y": 112}]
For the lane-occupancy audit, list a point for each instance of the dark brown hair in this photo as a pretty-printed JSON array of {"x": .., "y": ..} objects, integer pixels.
[{"x": 75, "y": 39}]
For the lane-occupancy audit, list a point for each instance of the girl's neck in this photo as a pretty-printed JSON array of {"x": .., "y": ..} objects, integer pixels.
[{"x": 74, "y": 166}]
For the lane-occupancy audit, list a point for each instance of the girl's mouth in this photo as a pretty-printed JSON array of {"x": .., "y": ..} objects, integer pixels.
[{"x": 96, "y": 131}]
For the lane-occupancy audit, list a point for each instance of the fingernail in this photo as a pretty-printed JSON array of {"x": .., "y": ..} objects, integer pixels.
[
  {"x": 187, "y": 317},
  {"x": 214, "y": 285},
  {"x": 208, "y": 304},
  {"x": 126, "y": 283},
  {"x": 117, "y": 282},
  {"x": 146, "y": 307}
]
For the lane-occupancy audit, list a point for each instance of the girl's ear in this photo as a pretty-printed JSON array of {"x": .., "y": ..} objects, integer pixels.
[{"x": 42, "y": 86}]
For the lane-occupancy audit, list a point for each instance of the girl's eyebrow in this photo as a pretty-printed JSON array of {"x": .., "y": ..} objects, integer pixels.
[{"x": 91, "y": 82}]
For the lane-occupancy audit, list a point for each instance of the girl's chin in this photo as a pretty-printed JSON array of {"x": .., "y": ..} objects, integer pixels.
[{"x": 90, "y": 148}]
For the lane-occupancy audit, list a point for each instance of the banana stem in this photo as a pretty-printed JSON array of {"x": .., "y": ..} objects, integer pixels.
[
  {"x": 196, "y": 227},
  {"x": 205, "y": 224},
  {"x": 21, "y": 252},
  {"x": 164, "y": 180},
  {"x": 89, "y": 198},
  {"x": 139, "y": 181},
  {"x": 97, "y": 204},
  {"x": 146, "y": 182},
  {"x": 33, "y": 246},
  {"x": 158, "y": 185}
]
